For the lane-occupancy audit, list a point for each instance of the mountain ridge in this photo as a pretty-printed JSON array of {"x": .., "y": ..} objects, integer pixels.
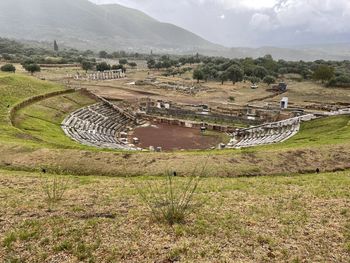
[{"x": 85, "y": 25}]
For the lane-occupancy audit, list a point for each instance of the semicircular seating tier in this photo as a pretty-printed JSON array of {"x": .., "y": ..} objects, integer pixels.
[
  {"x": 269, "y": 133},
  {"x": 98, "y": 125}
]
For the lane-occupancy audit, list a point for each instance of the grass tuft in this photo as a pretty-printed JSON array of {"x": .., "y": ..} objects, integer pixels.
[
  {"x": 173, "y": 199},
  {"x": 54, "y": 189}
]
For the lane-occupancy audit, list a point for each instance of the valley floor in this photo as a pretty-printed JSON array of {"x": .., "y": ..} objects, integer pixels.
[{"x": 301, "y": 218}]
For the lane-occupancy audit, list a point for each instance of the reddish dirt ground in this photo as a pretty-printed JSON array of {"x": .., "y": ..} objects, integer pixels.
[{"x": 172, "y": 137}]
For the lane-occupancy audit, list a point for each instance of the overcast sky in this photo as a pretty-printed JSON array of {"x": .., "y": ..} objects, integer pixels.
[{"x": 254, "y": 22}]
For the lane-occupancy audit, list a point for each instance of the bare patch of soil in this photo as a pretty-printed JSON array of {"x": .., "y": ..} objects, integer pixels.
[{"x": 172, "y": 137}]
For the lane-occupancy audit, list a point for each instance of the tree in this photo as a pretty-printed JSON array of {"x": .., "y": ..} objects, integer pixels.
[
  {"x": 132, "y": 64},
  {"x": 123, "y": 61},
  {"x": 223, "y": 77},
  {"x": 86, "y": 65},
  {"x": 248, "y": 70},
  {"x": 166, "y": 64},
  {"x": 269, "y": 80},
  {"x": 234, "y": 73},
  {"x": 151, "y": 63},
  {"x": 103, "y": 66},
  {"x": 342, "y": 80},
  {"x": 323, "y": 73},
  {"x": 115, "y": 54},
  {"x": 55, "y": 46},
  {"x": 32, "y": 68},
  {"x": 116, "y": 67},
  {"x": 103, "y": 54},
  {"x": 207, "y": 72},
  {"x": 260, "y": 72},
  {"x": 253, "y": 80},
  {"x": 8, "y": 68},
  {"x": 198, "y": 74},
  {"x": 158, "y": 65},
  {"x": 6, "y": 56}
]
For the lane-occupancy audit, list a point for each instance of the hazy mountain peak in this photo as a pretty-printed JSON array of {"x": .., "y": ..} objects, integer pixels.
[{"x": 82, "y": 24}]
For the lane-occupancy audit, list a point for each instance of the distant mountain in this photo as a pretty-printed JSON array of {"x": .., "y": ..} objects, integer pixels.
[{"x": 84, "y": 25}]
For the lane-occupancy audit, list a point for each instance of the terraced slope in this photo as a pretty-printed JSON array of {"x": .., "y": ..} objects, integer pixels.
[
  {"x": 15, "y": 88},
  {"x": 42, "y": 119}
]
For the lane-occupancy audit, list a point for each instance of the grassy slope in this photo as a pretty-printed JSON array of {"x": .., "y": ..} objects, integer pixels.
[
  {"x": 15, "y": 88},
  {"x": 325, "y": 131},
  {"x": 43, "y": 120},
  {"x": 304, "y": 218},
  {"x": 38, "y": 124}
]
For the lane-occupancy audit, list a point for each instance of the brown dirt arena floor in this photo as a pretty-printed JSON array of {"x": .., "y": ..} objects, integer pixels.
[{"x": 172, "y": 137}]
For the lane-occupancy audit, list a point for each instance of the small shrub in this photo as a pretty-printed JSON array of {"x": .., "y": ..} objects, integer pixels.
[
  {"x": 8, "y": 68},
  {"x": 231, "y": 98},
  {"x": 173, "y": 200},
  {"x": 54, "y": 189}
]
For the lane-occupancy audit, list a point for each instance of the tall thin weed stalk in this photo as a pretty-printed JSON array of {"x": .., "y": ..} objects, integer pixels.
[
  {"x": 54, "y": 189},
  {"x": 173, "y": 199}
]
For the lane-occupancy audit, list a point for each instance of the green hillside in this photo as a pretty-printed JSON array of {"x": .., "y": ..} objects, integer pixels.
[
  {"x": 13, "y": 90},
  {"x": 39, "y": 122},
  {"x": 82, "y": 24}
]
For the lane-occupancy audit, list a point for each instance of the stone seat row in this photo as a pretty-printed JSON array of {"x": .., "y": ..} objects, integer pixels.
[
  {"x": 97, "y": 125},
  {"x": 266, "y": 134},
  {"x": 267, "y": 139}
]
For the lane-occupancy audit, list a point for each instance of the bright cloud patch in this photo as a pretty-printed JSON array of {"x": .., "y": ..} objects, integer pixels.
[{"x": 254, "y": 22}]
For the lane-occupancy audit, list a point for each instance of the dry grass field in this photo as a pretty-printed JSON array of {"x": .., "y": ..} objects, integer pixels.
[
  {"x": 301, "y": 218},
  {"x": 303, "y": 93}
]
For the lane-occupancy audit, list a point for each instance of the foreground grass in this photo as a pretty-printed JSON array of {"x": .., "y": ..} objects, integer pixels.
[{"x": 304, "y": 218}]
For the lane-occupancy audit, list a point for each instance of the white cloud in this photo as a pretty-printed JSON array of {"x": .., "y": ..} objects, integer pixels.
[
  {"x": 317, "y": 16},
  {"x": 261, "y": 21},
  {"x": 222, "y": 17},
  {"x": 249, "y": 4}
]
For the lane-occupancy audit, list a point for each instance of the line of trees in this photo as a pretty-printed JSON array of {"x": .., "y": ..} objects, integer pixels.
[{"x": 264, "y": 69}]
